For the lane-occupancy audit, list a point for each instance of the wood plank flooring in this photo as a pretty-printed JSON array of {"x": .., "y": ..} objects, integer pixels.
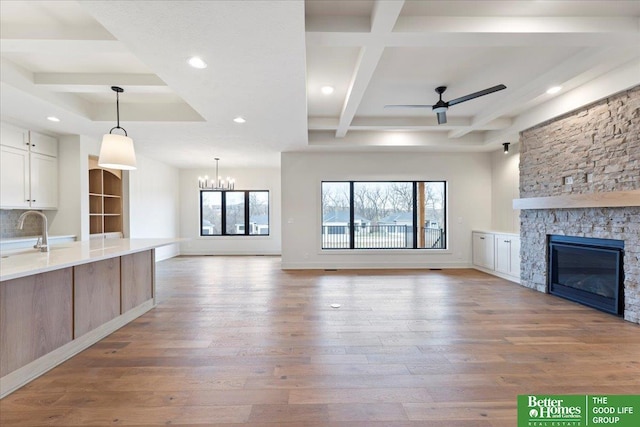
[{"x": 236, "y": 341}]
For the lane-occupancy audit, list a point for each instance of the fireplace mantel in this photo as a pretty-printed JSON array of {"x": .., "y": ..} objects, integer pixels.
[{"x": 612, "y": 199}]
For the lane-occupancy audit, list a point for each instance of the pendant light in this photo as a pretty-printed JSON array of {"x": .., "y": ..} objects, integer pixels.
[
  {"x": 217, "y": 183},
  {"x": 116, "y": 151}
]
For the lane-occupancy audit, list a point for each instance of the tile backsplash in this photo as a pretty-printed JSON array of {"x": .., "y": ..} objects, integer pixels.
[{"x": 9, "y": 224}]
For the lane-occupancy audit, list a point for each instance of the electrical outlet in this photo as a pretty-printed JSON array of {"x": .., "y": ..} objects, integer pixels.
[{"x": 568, "y": 180}]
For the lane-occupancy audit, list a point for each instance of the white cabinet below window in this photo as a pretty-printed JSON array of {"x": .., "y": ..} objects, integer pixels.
[
  {"x": 507, "y": 254},
  {"x": 29, "y": 170},
  {"x": 497, "y": 254},
  {"x": 483, "y": 250}
]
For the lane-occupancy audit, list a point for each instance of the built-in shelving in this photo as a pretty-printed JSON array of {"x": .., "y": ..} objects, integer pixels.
[{"x": 105, "y": 200}]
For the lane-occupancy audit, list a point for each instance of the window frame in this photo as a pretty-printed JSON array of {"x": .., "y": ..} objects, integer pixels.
[
  {"x": 352, "y": 229},
  {"x": 223, "y": 213}
]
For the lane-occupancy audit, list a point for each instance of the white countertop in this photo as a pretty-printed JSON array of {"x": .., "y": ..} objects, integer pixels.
[
  {"x": 33, "y": 239},
  {"x": 25, "y": 262}
]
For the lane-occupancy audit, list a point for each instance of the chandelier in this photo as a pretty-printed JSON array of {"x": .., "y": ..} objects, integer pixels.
[{"x": 216, "y": 183}]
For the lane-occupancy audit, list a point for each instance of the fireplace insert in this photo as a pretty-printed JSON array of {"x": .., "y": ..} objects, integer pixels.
[{"x": 588, "y": 271}]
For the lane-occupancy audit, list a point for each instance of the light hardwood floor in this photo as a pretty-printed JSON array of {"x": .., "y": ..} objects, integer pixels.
[{"x": 235, "y": 340}]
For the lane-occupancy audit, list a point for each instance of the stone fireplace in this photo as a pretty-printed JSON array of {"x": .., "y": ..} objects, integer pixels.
[{"x": 593, "y": 152}]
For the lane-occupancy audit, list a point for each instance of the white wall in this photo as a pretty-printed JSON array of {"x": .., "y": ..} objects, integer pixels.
[
  {"x": 469, "y": 207},
  {"x": 505, "y": 178},
  {"x": 246, "y": 179},
  {"x": 72, "y": 216},
  {"x": 154, "y": 203}
]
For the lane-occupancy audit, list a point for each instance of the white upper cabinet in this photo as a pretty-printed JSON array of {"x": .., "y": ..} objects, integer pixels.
[
  {"x": 11, "y": 136},
  {"x": 44, "y": 181},
  {"x": 43, "y": 144},
  {"x": 29, "y": 169},
  {"x": 14, "y": 177}
]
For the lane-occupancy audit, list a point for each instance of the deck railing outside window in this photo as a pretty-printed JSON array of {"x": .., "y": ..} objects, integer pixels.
[{"x": 379, "y": 237}]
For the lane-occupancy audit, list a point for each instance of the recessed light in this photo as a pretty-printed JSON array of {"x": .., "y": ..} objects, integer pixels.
[
  {"x": 239, "y": 120},
  {"x": 53, "y": 119},
  {"x": 327, "y": 90},
  {"x": 554, "y": 89},
  {"x": 197, "y": 62}
]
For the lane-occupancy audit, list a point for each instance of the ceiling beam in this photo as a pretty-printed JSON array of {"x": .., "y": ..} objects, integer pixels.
[
  {"x": 100, "y": 83},
  {"x": 521, "y": 24},
  {"x": 146, "y": 112},
  {"x": 383, "y": 18},
  {"x": 52, "y": 47},
  {"x": 393, "y": 139},
  {"x": 405, "y": 123},
  {"x": 622, "y": 78},
  {"x": 21, "y": 79},
  {"x": 487, "y": 39},
  {"x": 97, "y": 79},
  {"x": 584, "y": 60}
]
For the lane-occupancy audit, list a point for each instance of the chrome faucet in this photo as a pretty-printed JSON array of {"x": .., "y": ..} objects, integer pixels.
[{"x": 43, "y": 241}]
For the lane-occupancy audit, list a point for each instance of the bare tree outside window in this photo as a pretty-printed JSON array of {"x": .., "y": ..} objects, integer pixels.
[
  {"x": 211, "y": 220},
  {"x": 385, "y": 215},
  {"x": 234, "y": 213},
  {"x": 259, "y": 212}
]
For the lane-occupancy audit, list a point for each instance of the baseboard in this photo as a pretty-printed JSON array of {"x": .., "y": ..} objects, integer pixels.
[{"x": 392, "y": 265}]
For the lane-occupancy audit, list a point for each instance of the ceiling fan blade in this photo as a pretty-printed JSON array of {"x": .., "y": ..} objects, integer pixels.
[
  {"x": 442, "y": 117},
  {"x": 476, "y": 94},
  {"x": 408, "y": 106}
]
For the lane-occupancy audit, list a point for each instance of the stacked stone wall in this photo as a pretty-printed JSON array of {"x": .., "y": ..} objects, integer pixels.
[{"x": 593, "y": 150}]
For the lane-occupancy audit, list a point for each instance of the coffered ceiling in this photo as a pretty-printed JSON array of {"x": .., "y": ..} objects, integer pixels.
[{"x": 268, "y": 60}]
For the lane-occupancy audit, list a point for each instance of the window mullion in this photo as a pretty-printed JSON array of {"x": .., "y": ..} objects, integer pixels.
[
  {"x": 416, "y": 226},
  {"x": 246, "y": 213},
  {"x": 223, "y": 213},
  {"x": 352, "y": 230}
]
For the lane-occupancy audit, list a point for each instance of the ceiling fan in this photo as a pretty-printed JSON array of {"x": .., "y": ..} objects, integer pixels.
[{"x": 441, "y": 107}]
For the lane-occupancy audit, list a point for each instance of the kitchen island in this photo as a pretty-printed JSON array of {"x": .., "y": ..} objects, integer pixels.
[{"x": 55, "y": 304}]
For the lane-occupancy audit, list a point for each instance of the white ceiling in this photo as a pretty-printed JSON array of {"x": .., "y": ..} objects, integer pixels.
[{"x": 267, "y": 61}]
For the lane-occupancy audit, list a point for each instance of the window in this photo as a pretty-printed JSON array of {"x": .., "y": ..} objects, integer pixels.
[
  {"x": 384, "y": 215},
  {"x": 234, "y": 213}
]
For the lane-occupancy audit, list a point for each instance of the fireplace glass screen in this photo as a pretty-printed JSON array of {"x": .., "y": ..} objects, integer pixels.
[{"x": 587, "y": 270}]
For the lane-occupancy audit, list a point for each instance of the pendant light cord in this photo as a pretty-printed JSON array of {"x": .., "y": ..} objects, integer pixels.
[{"x": 117, "y": 91}]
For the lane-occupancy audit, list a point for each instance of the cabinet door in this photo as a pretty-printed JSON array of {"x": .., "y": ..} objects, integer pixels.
[
  {"x": 483, "y": 250},
  {"x": 12, "y": 136},
  {"x": 44, "y": 181},
  {"x": 508, "y": 254},
  {"x": 43, "y": 144},
  {"x": 503, "y": 254},
  {"x": 14, "y": 178}
]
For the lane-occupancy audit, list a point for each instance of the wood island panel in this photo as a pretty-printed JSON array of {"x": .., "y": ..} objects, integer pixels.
[
  {"x": 96, "y": 294},
  {"x": 137, "y": 279},
  {"x": 36, "y": 317}
]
